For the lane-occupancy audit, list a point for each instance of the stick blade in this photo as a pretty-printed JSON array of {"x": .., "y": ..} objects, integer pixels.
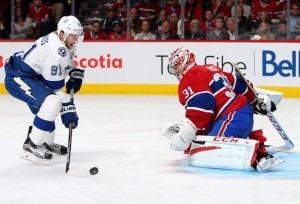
[{"x": 78, "y": 172}]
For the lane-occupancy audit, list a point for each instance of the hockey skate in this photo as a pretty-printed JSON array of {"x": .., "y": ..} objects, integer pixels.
[
  {"x": 268, "y": 162},
  {"x": 272, "y": 149},
  {"x": 35, "y": 153},
  {"x": 56, "y": 148}
]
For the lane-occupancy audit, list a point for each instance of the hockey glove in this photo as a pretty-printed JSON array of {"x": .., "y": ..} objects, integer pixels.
[
  {"x": 75, "y": 81},
  {"x": 68, "y": 114},
  {"x": 265, "y": 105}
]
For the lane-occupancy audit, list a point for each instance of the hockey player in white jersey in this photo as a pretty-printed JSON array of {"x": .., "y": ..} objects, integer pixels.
[{"x": 37, "y": 77}]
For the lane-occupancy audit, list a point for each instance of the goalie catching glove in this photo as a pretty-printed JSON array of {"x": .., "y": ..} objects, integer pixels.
[
  {"x": 179, "y": 136},
  {"x": 75, "y": 81},
  {"x": 264, "y": 105}
]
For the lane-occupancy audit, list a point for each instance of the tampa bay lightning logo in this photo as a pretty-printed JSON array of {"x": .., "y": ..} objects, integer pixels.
[{"x": 62, "y": 51}]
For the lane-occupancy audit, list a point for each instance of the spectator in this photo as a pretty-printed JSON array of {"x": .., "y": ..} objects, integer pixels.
[
  {"x": 174, "y": 6},
  {"x": 263, "y": 16},
  {"x": 22, "y": 27},
  {"x": 146, "y": 34},
  {"x": 134, "y": 23},
  {"x": 162, "y": 4},
  {"x": 230, "y": 22},
  {"x": 4, "y": 34},
  {"x": 120, "y": 7},
  {"x": 246, "y": 8},
  {"x": 218, "y": 33},
  {"x": 148, "y": 10},
  {"x": 118, "y": 33},
  {"x": 96, "y": 33},
  {"x": 281, "y": 33},
  {"x": 209, "y": 23},
  {"x": 174, "y": 21},
  {"x": 243, "y": 22},
  {"x": 264, "y": 31},
  {"x": 295, "y": 20},
  {"x": 57, "y": 7},
  {"x": 264, "y": 5},
  {"x": 109, "y": 19},
  {"x": 194, "y": 33},
  {"x": 39, "y": 18},
  {"x": 166, "y": 33},
  {"x": 161, "y": 19},
  {"x": 193, "y": 10},
  {"x": 221, "y": 8},
  {"x": 24, "y": 4},
  {"x": 280, "y": 13}
]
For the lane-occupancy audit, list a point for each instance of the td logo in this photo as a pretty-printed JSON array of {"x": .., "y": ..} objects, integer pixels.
[{"x": 286, "y": 67}]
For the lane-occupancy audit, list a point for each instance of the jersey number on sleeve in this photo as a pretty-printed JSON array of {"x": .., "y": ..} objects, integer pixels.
[
  {"x": 188, "y": 92},
  {"x": 220, "y": 78}
]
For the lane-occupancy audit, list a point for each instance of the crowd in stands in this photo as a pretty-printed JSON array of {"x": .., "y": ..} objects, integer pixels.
[{"x": 162, "y": 20}]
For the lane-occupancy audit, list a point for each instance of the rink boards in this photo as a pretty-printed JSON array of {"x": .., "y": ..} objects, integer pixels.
[{"x": 141, "y": 67}]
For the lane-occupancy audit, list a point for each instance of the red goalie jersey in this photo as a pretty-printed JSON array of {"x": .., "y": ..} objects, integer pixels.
[{"x": 208, "y": 93}]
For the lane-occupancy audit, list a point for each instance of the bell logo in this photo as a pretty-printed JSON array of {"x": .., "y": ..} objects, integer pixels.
[{"x": 285, "y": 68}]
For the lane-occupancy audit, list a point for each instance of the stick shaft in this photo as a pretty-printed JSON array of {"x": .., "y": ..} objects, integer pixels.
[
  {"x": 288, "y": 144},
  {"x": 70, "y": 136}
]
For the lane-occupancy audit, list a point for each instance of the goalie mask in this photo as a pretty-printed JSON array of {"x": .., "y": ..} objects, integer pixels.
[
  {"x": 180, "y": 61},
  {"x": 71, "y": 27}
]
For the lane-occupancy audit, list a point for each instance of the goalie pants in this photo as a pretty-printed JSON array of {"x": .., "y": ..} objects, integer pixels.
[{"x": 237, "y": 124}]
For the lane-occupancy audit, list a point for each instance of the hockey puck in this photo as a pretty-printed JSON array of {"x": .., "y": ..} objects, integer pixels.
[{"x": 94, "y": 171}]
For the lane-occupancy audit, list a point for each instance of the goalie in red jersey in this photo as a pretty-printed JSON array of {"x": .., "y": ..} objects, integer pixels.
[{"x": 220, "y": 104}]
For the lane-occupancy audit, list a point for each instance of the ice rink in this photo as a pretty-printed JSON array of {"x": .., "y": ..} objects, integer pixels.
[{"x": 120, "y": 135}]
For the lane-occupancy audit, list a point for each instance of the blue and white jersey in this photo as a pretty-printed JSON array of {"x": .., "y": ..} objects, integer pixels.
[{"x": 50, "y": 59}]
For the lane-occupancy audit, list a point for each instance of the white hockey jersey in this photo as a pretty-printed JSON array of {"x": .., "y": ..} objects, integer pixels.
[{"x": 50, "y": 59}]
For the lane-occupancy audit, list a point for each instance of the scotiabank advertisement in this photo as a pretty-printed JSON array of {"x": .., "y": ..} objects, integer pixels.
[{"x": 264, "y": 63}]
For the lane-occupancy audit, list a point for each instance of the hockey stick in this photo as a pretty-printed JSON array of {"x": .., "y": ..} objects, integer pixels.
[
  {"x": 76, "y": 171},
  {"x": 288, "y": 144},
  {"x": 70, "y": 135}
]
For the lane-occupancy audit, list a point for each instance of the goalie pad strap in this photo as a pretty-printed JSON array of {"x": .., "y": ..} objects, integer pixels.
[{"x": 223, "y": 152}]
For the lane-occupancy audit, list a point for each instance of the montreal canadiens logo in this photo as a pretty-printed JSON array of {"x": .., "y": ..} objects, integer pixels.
[{"x": 62, "y": 51}]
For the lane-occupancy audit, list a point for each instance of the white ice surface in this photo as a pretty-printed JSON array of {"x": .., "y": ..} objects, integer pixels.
[{"x": 120, "y": 135}]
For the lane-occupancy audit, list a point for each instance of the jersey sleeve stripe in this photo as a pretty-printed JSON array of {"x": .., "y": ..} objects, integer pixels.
[
  {"x": 200, "y": 109},
  {"x": 202, "y": 101},
  {"x": 234, "y": 81},
  {"x": 196, "y": 95},
  {"x": 216, "y": 93}
]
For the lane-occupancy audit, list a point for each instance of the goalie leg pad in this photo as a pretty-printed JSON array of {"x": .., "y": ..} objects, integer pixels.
[{"x": 223, "y": 153}]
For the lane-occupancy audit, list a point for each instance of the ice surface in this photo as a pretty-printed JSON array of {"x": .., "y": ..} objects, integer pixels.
[{"x": 120, "y": 135}]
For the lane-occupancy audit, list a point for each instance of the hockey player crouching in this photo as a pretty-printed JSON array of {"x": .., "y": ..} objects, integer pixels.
[
  {"x": 37, "y": 77},
  {"x": 221, "y": 104}
]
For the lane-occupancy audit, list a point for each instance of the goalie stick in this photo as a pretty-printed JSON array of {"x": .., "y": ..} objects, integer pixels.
[{"x": 288, "y": 144}]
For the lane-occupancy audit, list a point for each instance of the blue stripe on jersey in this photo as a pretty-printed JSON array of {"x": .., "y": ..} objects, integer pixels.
[
  {"x": 18, "y": 68},
  {"x": 202, "y": 100},
  {"x": 42, "y": 124},
  {"x": 240, "y": 86},
  {"x": 217, "y": 85}
]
